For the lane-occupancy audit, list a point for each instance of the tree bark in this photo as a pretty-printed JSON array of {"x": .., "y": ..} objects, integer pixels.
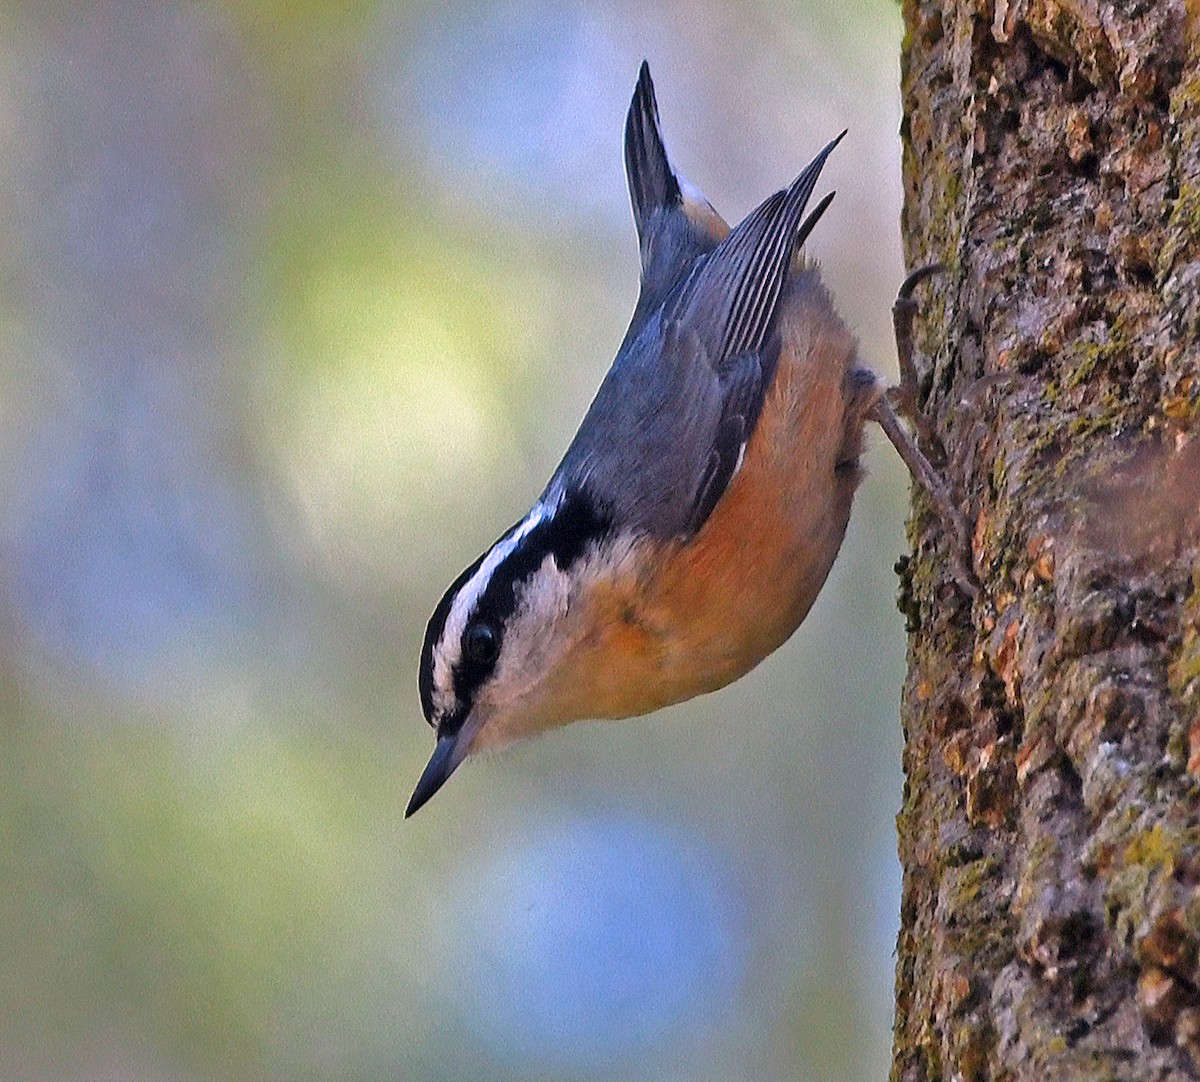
[{"x": 1050, "y": 830}]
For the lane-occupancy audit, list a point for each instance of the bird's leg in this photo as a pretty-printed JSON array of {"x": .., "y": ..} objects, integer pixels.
[
  {"x": 902, "y": 401},
  {"x": 904, "y": 312}
]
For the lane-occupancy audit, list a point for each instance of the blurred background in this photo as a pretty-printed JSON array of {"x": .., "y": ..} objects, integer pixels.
[{"x": 299, "y": 304}]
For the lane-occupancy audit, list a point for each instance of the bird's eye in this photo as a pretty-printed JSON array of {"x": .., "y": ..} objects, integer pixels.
[{"x": 483, "y": 643}]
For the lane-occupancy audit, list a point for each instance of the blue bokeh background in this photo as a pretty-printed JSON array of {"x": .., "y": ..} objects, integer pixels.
[{"x": 299, "y": 304}]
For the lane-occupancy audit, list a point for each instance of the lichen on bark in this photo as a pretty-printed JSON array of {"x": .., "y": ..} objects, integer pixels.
[{"x": 1050, "y": 829}]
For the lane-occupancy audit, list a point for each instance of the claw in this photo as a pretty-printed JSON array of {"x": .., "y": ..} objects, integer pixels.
[
  {"x": 904, "y": 311},
  {"x": 902, "y": 401},
  {"x": 916, "y": 278}
]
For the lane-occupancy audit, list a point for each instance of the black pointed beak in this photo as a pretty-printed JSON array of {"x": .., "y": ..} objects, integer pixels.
[{"x": 442, "y": 763}]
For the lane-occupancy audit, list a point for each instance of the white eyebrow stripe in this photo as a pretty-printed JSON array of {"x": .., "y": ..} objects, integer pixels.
[{"x": 447, "y": 654}]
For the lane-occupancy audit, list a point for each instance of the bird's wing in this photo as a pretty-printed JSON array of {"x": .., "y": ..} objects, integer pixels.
[
  {"x": 731, "y": 297},
  {"x": 675, "y": 223},
  {"x": 668, "y": 427}
]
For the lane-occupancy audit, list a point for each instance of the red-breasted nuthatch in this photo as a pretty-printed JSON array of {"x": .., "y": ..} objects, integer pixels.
[{"x": 699, "y": 508}]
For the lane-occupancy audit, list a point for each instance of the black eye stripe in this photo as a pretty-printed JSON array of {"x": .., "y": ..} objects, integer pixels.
[
  {"x": 564, "y": 535},
  {"x": 481, "y": 643}
]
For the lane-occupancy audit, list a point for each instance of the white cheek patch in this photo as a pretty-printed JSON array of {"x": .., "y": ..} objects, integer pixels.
[
  {"x": 531, "y": 637},
  {"x": 448, "y": 652},
  {"x": 550, "y": 621},
  {"x": 547, "y": 620}
]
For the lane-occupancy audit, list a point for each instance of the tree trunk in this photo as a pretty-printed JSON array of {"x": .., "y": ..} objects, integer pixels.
[{"x": 1050, "y": 831}]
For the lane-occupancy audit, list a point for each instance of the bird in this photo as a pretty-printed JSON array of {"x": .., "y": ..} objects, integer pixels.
[{"x": 700, "y": 506}]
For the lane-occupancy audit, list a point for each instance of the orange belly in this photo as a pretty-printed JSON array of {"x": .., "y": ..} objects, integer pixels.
[{"x": 707, "y": 611}]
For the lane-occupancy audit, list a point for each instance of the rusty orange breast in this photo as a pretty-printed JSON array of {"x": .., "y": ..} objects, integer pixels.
[
  {"x": 685, "y": 617},
  {"x": 707, "y": 610}
]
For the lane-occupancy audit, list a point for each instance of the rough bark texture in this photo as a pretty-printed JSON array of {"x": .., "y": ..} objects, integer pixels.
[{"x": 1050, "y": 832}]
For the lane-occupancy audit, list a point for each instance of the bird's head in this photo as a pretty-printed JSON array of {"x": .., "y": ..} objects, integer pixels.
[{"x": 511, "y": 648}]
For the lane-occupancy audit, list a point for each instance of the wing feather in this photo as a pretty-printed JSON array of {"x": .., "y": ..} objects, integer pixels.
[
  {"x": 669, "y": 426},
  {"x": 733, "y": 294}
]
